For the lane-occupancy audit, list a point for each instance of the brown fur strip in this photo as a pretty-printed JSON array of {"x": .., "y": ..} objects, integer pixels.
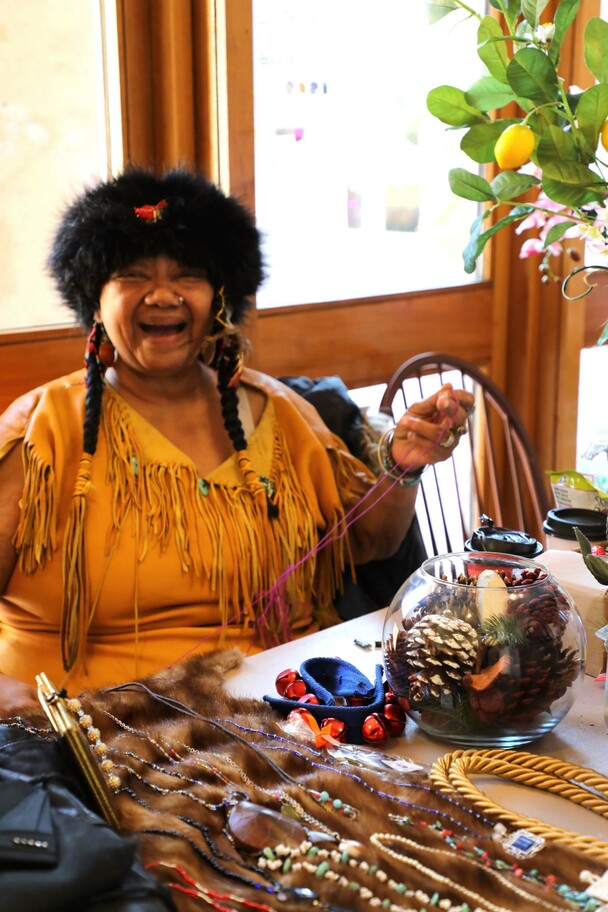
[{"x": 198, "y": 683}]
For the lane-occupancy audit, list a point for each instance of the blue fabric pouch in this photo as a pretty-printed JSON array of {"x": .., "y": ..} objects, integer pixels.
[{"x": 331, "y": 678}]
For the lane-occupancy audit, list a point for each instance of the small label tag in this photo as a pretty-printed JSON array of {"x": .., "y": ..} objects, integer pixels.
[
  {"x": 523, "y": 844},
  {"x": 602, "y": 633},
  {"x": 599, "y": 888}
]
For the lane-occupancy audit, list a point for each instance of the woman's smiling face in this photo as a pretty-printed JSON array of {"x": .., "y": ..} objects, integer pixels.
[{"x": 157, "y": 313}]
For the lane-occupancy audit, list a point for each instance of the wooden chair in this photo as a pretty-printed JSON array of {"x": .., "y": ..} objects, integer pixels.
[{"x": 493, "y": 471}]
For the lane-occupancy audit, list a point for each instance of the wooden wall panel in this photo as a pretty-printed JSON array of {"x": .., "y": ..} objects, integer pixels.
[
  {"x": 364, "y": 341},
  {"x": 28, "y": 359}
]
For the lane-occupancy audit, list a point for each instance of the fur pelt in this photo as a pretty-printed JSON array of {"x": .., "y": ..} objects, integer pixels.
[{"x": 232, "y": 751}]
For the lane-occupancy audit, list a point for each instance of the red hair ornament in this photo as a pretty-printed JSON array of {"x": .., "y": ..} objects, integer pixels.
[{"x": 150, "y": 213}]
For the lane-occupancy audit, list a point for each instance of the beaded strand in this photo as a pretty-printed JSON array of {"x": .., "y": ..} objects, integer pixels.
[{"x": 378, "y": 840}]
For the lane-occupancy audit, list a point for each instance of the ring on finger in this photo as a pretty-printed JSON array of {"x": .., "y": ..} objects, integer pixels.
[{"x": 448, "y": 440}]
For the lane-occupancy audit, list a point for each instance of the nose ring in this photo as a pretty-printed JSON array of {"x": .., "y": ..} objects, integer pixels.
[{"x": 180, "y": 300}]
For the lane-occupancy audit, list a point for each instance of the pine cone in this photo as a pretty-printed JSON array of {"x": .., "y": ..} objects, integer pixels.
[
  {"x": 540, "y": 673},
  {"x": 437, "y": 652},
  {"x": 543, "y": 617}
]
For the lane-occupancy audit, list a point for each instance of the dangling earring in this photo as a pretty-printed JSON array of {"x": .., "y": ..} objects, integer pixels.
[
  {"x": 99, "y": 348},
  {"x": 223, "y": 347}
]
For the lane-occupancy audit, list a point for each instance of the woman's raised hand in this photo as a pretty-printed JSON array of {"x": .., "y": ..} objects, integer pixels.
[{"x": 430, "y": 429}]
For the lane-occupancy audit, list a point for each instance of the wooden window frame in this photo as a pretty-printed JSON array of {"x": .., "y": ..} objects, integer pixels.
[{"x": 187, "y": 98}]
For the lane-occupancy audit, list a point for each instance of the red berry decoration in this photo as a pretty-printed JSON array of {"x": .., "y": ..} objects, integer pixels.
[
  {"x": 598, "y": 550},
  {"x": 336, "y": 728},
  {"x": 375, "y": 729},
  {"x": 390, "y": 697},
  {"x": 308, "y": 698},
  {"x": 295, "y": 690},
  {"x": 396, "y": 718},
  {"x": 285, "y": 678}
]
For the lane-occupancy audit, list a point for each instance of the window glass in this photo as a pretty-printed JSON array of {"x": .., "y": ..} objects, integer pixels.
[
  {"x": 52, "y": 141},
  {"x": 350, "y": 169}
]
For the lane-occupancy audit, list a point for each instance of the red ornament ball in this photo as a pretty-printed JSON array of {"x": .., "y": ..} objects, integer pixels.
[
  {"x": 375, "y": 729},
  {"x": 308, "y": 698},
  {"x": 295, "y": 690},
  {"x": 337, "y": 728},
  {"x": 396, "y": 718},
  {"x": 285, "y": 678}
]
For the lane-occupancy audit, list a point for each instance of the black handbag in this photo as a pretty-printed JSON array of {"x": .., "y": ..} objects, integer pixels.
[{"x": 56, "y": 853}]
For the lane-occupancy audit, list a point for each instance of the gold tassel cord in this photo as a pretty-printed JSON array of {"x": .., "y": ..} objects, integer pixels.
[{"x": 451, "y": 773}]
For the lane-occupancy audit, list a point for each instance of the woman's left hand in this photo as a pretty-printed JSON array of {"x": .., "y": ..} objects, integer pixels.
[{"x": 431, "y": 429}]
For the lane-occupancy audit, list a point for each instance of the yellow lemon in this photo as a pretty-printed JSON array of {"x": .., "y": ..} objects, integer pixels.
[
  {"x": 604, "y": 135},
  {"x": 514, "y": 146}
]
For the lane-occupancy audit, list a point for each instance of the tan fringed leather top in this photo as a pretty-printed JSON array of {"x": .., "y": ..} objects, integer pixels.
[{"x": 174, "y": 563}]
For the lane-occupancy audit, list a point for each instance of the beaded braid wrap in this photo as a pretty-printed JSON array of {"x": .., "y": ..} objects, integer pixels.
[
  {"x": 73, "y": 624},
  {"x": 228, "y": 361}
]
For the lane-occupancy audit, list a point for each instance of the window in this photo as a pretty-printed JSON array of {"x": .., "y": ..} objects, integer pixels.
[
  {"x": 350, "y": 169},
  {"x": 53, "y": 140}
]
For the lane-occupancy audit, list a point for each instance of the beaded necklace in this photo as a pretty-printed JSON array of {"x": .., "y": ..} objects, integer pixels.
[
  {"x": 580, "y": 898},
  {"x": 378, "y": 840},
  {"x": 291, "y": 749},
  {"x": 173, "y": 756},
  {"x": 482, "y": 858}
]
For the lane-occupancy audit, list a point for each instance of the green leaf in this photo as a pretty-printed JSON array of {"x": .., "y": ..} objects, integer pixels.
[
  {"x": 532, "y": 9},
  {"x": 596, "y": 48},
  {"x": 437, "y": 9},
  {"x": 477, "y": 240},
  {"x": 449, "y": 105},
  {"x": 591, "y": 112},
  {"x": 571, "y": 183},
  {"x": 510, "y": 184},
  {"x": 596, "y": 565},
  {"x": 473, "y": 248},
  {"x": 470, "y": 186},
  {"x": 564, "y": 17},
  {"x": 556, "y": 233},
  {"x": 531, "y": 75},
  {"x": 488, "y": 93},
  {"x": 510, "y": 7},
  {"x": 556, "y": 144},
  {"x": 491, "y": 48},
  {"x": 583, "y": 542},
  {"x": 479, "y": 141}
]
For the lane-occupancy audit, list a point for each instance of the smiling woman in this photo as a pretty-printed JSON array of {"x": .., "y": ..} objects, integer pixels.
[{"x": 176, "y": 501}]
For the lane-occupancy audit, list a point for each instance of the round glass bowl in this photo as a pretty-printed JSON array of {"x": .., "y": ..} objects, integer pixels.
[{"x": 484, "y": 649}]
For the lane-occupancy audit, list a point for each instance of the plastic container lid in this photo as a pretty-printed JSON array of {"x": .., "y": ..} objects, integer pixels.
[
  {"x": 506, "y": 541},
  {"x": 562, "y": 520}
]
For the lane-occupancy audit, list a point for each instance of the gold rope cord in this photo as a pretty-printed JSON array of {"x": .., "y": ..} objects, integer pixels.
[{"x": 452, "y": 772}]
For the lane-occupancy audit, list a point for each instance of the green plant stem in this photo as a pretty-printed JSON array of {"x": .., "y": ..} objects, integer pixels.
[
  {"x": 468, "y": 9},
  {"x": 510, "y": 25}
]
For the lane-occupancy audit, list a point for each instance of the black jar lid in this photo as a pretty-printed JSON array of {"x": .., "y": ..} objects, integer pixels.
[
  {"x": 506, "y": 541},
  {"x": 562, "y": 520}
]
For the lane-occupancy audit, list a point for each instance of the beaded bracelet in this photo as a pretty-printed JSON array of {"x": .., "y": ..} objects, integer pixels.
[{"x": 390, "y": 468}]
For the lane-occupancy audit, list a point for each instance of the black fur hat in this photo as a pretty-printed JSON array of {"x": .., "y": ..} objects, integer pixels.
[{"x": 197, "y": 225}]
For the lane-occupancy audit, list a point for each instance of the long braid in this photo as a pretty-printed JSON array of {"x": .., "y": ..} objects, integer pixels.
[
  {"x": 228, "y": 362},
  {"x": 73, "y": 621},
  {"x": 94, "y": 384}
]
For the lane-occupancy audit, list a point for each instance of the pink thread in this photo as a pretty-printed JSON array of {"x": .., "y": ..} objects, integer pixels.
[{"x": 271, "y": 598}]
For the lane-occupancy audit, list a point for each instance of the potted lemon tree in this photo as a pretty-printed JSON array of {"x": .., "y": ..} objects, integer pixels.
[{"x": 551, "y": 147}]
